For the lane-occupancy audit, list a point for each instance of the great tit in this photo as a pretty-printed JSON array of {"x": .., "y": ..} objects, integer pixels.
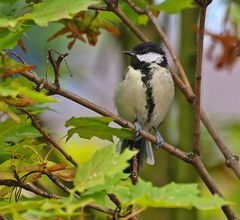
[{"x": 144, "y": 97}]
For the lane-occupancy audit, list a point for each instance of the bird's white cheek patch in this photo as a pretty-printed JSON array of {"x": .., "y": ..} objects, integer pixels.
[{"x": 150, "y": 57}]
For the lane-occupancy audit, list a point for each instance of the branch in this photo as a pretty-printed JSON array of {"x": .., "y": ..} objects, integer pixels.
[
  {"x": 170, "y": 49},
  {"x": 91, "y": 206},
  {"x": 135, "y": 7},
  {"x": 56, "y": 64},
  {"x": 232, "y": 161},
  {"x": 198, "y": 77},
  {"x": 47, "y": 137},
  {"x": 53, "y": 89},
  {"x": 28, "y": 187},
  {"x": 203, "y": 173},
  {"x": 112, "y": 7}
]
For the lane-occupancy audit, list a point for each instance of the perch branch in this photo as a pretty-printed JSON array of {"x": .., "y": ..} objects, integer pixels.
[{"x": 53, "y": 89}]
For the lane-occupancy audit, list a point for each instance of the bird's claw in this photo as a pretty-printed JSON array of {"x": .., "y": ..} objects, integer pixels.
[
  {"x": 138, "y": 129},
  {"x": 159, "y": 141}
]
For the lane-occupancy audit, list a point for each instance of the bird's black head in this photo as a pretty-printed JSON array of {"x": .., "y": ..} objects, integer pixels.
[{"x": 144, "y": 54}]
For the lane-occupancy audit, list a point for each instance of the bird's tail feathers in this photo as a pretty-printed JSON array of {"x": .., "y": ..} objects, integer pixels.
[{"x": 145, "y": 150}]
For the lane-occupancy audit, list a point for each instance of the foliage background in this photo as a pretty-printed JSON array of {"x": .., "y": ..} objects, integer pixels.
[{"x": 96, "y": 70}]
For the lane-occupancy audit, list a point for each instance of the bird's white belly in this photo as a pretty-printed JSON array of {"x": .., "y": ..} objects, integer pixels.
[
  {"x": 163, "y": 94},
  {"x": 130, "y": 97}
]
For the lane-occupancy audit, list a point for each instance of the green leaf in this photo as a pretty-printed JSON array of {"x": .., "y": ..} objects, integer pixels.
[
  {"x": 87, "y": 127},
  {"x": 173, "y": 6},
  {"x": 132, "y": 15},
  {"x": 10, "y": 40},
  {"x": 54, "y": 10},
  {"x": 20, "y": 92},
  {"x": 12, "y": 132},
  {"x": 105, "y": 163},
  {"x": 172, "y": 195},
  {"x": 7, "y": 22},
  {"x": 9, "y": 66}
]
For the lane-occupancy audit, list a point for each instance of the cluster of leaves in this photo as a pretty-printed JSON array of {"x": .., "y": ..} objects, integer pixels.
[
  {"x": 73, "y": 15},
  {"x": 17, "y": 92},
  {"x": 100, "y": 175}
]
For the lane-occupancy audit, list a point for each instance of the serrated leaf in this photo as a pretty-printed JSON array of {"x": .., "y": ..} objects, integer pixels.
[
  {"x": 12, "y": 132},
  {"x": 104, "y": 163},
  {"x": 172, "y": 195},
  {"x": 10, "y": 40},
  {"x": 87, "y": 127},
  {"x": 54, "y": 10},
  {"x": 173, "y": 6},
  {"x": 19, "y": 92},
  {"x": 9, "y": 66}
]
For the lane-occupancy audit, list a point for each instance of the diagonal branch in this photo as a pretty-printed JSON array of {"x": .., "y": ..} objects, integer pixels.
[
  {"x": 167, "y": 43},
  {"x": 53, "y": 89},
  {"x": 47, "y": 137},
  {"x": 207, "y": 179},
  {"x": 28, "y": 187},
  {"x": 112, "y": 7}
]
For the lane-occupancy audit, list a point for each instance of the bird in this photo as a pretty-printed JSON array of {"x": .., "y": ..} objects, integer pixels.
[{"x": 144, "y": 97}]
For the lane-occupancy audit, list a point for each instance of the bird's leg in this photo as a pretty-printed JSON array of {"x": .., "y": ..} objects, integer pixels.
[
  {"x": 159, "y": 138},
  {"x": 138, "y": 129}
]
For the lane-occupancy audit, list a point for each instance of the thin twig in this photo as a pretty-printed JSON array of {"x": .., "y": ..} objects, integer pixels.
[
  {"x": 135, "y": 7},
  {"x": 57, "y": 182},
  {"x": 56, "y": 64},
  {"x": 169, "y": 47},
  {"x": 232, "y": 161},
  {"x": 135, "y": 168},
  {"x": 115, "y": 200},
  {"x": 67, "y": 190},
  {"x": 203, "y": 173},
  {"x": 28, "y": 187},
  {"x": 133, "y": 214},
  {"x": 98, "y": 8},
  {"x": 55, "y": 69},
  {"x": 112, "y": 7},
  {"x": 47, "y": 137},
  {"x": 198, "y": 77}
]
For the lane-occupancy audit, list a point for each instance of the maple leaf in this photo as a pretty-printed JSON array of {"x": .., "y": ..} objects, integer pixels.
[
  {"x": 230, "y": 48},
  {"x": 9, "y": 66},
  {"x": 85, "y": 27}
]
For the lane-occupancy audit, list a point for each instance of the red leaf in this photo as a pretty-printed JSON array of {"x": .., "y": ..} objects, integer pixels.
[
  {"x": 22, "y": 46},
  {"x": 9, "y": 66}
]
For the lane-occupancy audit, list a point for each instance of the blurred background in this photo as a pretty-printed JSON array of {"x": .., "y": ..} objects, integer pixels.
[{"x": 97, "y": 69}]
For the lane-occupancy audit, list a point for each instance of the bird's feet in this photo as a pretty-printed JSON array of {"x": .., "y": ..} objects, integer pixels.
[
  {"x": 138, "y": 129},
  {"x": 159, "y": 138}
]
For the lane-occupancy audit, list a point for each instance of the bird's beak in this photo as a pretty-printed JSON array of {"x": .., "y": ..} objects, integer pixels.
[{"x": 130, "y": 53}]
